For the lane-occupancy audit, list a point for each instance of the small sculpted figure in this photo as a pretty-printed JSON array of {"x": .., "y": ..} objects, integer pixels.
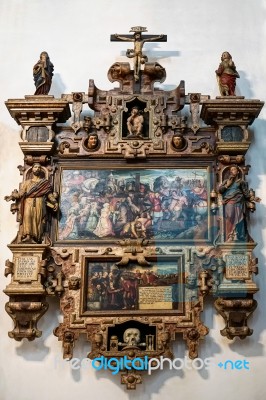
[
  {"x": 35, "y": 195},
  {"x": 177, "y": 141},
  {"x": 191, "y": 281},
  {"x": 226, "y": 75},
  {"x": 237, "y": 199},
  {"x": 42, "y": 74},
  {"x": 135, "y": 123},
  {"x": 87, "y": 124},
  {"x": 93, "y": 141}
]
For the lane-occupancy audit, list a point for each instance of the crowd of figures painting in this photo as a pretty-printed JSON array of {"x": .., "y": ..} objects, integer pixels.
[{"x": 161, "y": 204}]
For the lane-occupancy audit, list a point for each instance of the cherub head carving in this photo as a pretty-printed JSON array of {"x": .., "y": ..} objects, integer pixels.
[{"x": 93, "y": 141}]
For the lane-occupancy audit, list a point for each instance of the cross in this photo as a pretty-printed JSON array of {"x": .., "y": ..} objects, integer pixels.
[
  {"x": 196, "y": 174},
  {"x": 139, "y": 40}
]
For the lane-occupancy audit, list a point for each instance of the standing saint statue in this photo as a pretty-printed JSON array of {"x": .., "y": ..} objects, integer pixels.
[
  {"x": 42, "y": 74},
  {"x": 35, "y": 194},
  {"x": 226, "y": 75},
  {"x": 237, "y": 199}
]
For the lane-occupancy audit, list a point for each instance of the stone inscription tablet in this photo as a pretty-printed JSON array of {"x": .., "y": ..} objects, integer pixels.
[
  {"x": 26, "y": 268},
  {"x": 237, "y": 266}
]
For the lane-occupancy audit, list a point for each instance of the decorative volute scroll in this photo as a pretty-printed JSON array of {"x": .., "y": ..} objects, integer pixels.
[{"x": 133, "y": 213}]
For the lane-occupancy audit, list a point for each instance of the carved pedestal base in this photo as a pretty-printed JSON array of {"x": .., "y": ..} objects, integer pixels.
[
  {"x": 26, "y": 291},
  {"x": 236, "y": 313},
  {"x": 25, "y": 315}
]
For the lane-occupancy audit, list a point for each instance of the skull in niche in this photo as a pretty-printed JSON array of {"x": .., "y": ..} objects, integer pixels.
[{"x": 132, "y": 336}]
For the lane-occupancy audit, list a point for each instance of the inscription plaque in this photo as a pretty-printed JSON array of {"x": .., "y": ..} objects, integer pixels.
[
  {"x": 156, "y": 298},
  {"x": 237, "y": 266},
  {"x": 26, "y": 268}
]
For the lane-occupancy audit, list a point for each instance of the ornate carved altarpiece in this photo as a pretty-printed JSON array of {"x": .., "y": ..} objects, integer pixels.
[{"x": 132, "y": 213}]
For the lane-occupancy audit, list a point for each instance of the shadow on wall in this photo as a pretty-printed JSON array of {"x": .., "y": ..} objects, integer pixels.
[
  {"x": 58, "y": 86},
  {"x": 156, "y": 55},
  {"x": 243, "y": 87}
]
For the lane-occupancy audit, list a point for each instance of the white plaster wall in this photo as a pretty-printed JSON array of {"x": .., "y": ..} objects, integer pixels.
[{"x": 76, "y": 35}]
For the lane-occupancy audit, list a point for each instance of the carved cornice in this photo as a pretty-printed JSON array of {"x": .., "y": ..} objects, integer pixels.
[
  {"x": 230, "y": 110},
  {"x": 38, "y": 110}
]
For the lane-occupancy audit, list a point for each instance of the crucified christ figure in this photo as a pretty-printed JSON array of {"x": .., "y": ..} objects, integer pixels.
[{"x": 136, "y": 53}]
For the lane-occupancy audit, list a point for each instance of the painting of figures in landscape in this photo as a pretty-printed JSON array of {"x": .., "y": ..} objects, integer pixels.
[
  {"x": 140, "y": 203},
  {"x": 155, "y": 287}
]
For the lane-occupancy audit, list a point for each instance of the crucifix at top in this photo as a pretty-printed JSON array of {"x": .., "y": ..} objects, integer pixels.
[{"x": 139, "y": 40}]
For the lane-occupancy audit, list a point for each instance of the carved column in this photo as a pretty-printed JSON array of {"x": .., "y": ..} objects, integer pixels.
[
  {"x": 231, "y": 117},
  {"x": 28, "y": 288}
]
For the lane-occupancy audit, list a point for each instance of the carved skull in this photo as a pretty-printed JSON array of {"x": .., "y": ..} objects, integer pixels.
[{"x": 132, "y": 336}]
